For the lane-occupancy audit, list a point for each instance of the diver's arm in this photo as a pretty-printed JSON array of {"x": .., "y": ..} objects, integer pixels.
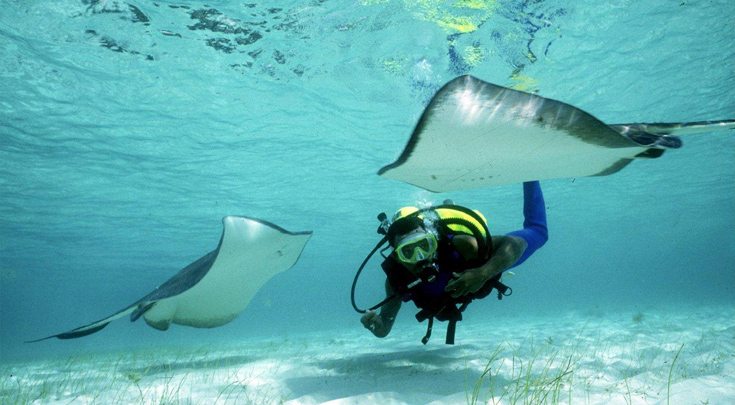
[
  {"x": 507, "y": 251},
  {"x": 534, "y": 232},
  {"x": 381, "y": 323}
]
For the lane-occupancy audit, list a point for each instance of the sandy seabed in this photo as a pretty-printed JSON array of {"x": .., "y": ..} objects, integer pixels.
[{"x": 654, "y": 357}]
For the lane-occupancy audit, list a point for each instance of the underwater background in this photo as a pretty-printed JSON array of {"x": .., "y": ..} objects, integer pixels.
[{"x": 128, "y": 129}]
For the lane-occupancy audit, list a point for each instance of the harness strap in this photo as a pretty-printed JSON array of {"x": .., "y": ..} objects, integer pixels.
[
  {"x": 451, "y": 329},
  {"x": 427, "y": 336},
  {"x": 452, "y": 326}
]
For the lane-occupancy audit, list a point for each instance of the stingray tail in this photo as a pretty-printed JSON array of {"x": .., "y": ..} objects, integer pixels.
[
  {"x": 666, "y": 135},
  {"x": 89, "y": 328},
  {"x": 642, "y": 135},
  {"x": 73, "y": 334}
]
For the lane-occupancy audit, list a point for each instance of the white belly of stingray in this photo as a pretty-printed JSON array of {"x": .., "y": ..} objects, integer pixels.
[
  {"x": 474, "y": 134},
  {"x": 250, "y": 253}
]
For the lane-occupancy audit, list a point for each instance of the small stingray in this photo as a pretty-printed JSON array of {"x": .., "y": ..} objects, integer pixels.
[{"x": 214, "y": 289}]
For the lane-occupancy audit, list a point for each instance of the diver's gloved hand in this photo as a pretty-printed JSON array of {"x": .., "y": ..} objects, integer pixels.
[
  {"x": 374, "y": 323},
  {"x": 467, "y": 282}
]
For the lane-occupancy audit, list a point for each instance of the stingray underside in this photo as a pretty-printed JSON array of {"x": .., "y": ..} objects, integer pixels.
[
  {"x": 475, "y": 134},
  {"x": 214, "y": 289}
]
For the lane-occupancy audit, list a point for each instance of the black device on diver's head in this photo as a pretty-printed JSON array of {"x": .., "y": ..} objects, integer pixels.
[{"x": 384, "y": 224}]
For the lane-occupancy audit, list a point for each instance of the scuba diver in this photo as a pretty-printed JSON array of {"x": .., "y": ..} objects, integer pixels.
[{"x": 444, "y": 257}]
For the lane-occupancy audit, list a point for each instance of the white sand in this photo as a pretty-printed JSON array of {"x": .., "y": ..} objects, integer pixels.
[{"x": 648, "y": 358}]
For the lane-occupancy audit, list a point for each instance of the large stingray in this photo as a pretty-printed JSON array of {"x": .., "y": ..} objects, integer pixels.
[
  {"x": 475, "y": 134},
  {"x": 214, "y": 289}
]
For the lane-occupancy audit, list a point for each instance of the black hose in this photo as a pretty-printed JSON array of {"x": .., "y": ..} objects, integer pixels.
[{"x": 357, "y": 276}]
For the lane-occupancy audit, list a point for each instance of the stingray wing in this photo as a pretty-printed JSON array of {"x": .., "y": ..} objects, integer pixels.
[
  {"x": 475, "y": 134},
  {"x": 250, "y": 253},
  {"x": 214, "y": 289}
]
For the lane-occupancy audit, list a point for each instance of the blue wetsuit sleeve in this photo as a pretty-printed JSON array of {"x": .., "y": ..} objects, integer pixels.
[{"x": 534, "y": 230}]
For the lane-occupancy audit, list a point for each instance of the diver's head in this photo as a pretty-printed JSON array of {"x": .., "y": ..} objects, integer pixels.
[{"x": 412, "y": 242}]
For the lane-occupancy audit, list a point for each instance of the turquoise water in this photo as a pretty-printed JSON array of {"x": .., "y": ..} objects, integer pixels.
[{"x": 129, "y": 129}]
